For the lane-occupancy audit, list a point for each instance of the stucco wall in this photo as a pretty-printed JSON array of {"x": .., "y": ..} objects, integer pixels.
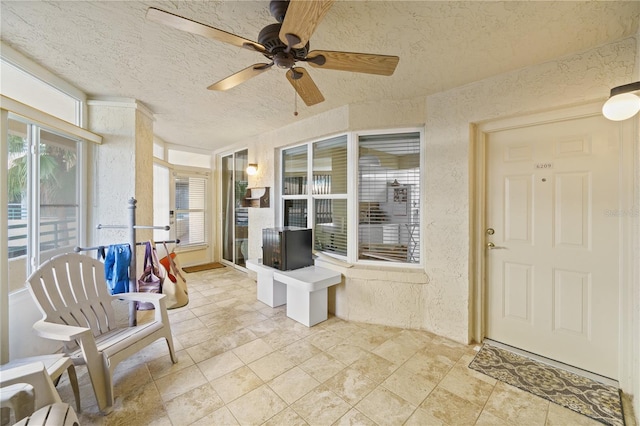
[
  {"x": 126, "y": 127},
  {"x": 438, "y": 298},
  {"x": 579, "y": 78}
]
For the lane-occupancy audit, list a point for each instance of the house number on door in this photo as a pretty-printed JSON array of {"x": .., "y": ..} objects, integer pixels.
[{"x": 543, "y": 165}]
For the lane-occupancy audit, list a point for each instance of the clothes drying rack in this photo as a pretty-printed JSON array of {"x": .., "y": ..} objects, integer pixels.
[{"x": 131, "y": 226}]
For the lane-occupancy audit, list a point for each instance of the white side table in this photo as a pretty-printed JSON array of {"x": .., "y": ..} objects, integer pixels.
[
  {"x": 307, "y": 295},
  {"x": 270, "y": 291}
]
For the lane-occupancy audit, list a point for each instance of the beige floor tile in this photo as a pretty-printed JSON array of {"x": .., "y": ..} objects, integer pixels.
[
  {"x": 252, "y": 351},
  {"x": 430, "y": 365},
  {"x": 192, "y": 338},
  {"x": 186, "y": 326},
  {"x": 354, "y": 418},
  {"x": 367, "y": 340},
  {"x": 350, "y": 385},
  {"x": 394, "y": 352},
  {"x": 257, "y": 406},
  {"x": 182, "y": 314},
  {"x": 163, "y": 366},
  {"x": 361, "y": 366},
  {"x": 207, "y": 349},
  {"x": 293, "y": 385},
  {"x": 220, "y": 365},
  {"x": 422, "y": 418},
  {"x": 286, "y": 417},
  {"x": 413, "y": 387},
  {"x": 560, "y": 416},
  {"x": 222, "y": 417},
  {"x": 321, "y": 407},
  {"x": 385, "y": 407},
  {"x": 278, "y": 339},
  {"x": 467, "y": 387},
  {"x": 271, "y": 366},
  {"x": 235, "y": 384},
  {"x": 322, "y": 366},
  {"x": 300, "y": 351},
  {"x": 450, "y": 408},
  {"x": 488, "y": 419},
  {"x": 516, "y": 406},
  {"x": 374, "y": 367},
  {"x": 180, "y": 382},
  {"x": 323, "y": 340},
  {"x": 193, "y": 405},
  {"x": 347, "y": 353}
]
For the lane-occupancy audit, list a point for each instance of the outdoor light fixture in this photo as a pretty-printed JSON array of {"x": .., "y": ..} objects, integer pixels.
[
  {"x": 252, "y": 169},
  {"x": 622, "y": 103}
]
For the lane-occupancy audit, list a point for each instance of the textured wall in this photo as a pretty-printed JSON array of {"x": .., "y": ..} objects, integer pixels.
[
  {"x": 438, "y": 298},
  {"x": 122, "y": 167},
  {"x": 574, "y": 79}
]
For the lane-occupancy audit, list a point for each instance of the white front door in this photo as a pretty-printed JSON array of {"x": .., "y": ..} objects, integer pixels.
[{"x": 552, "y": 277}]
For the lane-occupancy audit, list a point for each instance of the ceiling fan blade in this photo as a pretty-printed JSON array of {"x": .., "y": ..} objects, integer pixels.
[
  {"x": 193, "y": 27},
  {"x": 304, "y": 85},
  {"x": 240, "y": 77},
  {"x": 354, "y": 62},
  {"x": 301, "y": 20}
]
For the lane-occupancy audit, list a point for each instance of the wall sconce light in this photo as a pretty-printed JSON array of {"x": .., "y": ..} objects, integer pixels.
[
  {"x": 252, "y": 169},
  {"x": 622, "y": 104}
]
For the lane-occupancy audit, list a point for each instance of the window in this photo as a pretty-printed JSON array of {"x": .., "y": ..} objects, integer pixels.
[
  {"x": 326, "y": 196},
  {"x": 43, "y": 197},
  {"x": 190, "y": 193},
  {"x": 386, "y": 199},
  {"x": 389, "y": 197}
]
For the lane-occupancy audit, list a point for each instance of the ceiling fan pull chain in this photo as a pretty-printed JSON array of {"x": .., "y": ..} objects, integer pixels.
[{"x": 295, "y": 103}]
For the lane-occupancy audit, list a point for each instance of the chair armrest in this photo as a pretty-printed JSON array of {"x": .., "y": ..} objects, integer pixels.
[
  {"x": 36, "y": 375},
  {"x": 155, "y": 298},
  {"x": 61, "y": 332}
]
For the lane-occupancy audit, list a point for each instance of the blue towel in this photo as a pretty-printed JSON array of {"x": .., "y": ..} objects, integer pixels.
[{"x": 116, "y": 268}]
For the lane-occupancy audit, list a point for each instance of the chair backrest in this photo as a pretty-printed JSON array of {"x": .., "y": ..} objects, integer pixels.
[{"x": 71, "y": 289}]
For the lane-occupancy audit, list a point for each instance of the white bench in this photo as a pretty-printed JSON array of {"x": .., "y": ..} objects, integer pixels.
[
  {"x": 304, "y": 290},
  {"x": 307, "y": 295},
  {"x": 270, "y": 292}
]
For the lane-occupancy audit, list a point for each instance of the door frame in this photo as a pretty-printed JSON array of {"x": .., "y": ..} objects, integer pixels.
[{"x": 629, "y": 167}]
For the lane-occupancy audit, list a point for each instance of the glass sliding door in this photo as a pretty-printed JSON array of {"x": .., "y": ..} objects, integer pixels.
[{"x": 235, "y": 216}]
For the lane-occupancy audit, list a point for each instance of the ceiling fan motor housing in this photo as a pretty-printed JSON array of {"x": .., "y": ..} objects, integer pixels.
[{"x": 269, "y": 37}]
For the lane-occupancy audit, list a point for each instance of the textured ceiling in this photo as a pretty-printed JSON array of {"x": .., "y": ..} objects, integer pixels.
[{"x": 109, "y": 49}]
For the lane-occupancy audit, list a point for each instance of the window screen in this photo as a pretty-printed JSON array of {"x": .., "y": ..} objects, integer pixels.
[
  {"x": 190, "y": 210},
  {"x": 389, "y": 197}
]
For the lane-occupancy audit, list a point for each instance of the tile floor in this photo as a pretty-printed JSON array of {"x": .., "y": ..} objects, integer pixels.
[{"x": 242, "y": 362}]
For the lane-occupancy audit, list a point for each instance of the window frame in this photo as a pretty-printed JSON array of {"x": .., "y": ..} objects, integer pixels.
[
  {"x": 352, "y": 195},
  {"x": 182, "y": 172}
]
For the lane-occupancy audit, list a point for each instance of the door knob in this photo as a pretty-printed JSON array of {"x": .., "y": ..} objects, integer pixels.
[{"x": 491, "y": 245}]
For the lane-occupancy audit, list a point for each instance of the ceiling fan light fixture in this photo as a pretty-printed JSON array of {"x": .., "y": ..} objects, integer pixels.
[{"x": 622, "y": 103}]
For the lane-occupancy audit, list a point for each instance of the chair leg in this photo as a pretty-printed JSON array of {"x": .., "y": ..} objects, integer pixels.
[
  {"x": 172, "y": 352},
  {"x": 73, "y": 378}
]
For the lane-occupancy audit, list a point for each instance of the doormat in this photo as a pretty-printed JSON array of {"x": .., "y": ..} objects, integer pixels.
[
  {"x": 203, "y": 267},
  {"x": 577, "y": 393}
]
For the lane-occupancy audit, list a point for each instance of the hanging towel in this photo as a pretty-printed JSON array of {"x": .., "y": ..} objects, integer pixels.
[{"x": 116, "y": 268}]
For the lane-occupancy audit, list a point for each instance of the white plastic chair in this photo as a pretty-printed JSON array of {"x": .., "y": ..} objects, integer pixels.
[
  {"x": 72, "y": 295},
  {"x": 28, "y": 391}
]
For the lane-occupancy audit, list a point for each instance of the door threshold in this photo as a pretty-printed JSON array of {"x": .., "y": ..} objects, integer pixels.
[{"x": 556, "y": 364}]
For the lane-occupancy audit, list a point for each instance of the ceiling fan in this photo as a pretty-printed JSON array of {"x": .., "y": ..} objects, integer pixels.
[{"x": 284, "y": 44}]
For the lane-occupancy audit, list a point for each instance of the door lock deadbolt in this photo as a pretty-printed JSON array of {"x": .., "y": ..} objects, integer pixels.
[{"x": 490, "y": 231}]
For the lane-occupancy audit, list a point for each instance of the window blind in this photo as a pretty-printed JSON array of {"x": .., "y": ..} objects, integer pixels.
[
  {"x": 190, "y": 210},
  {"x": 329, "y": 189},
  {"x": 389, "y": 197}
]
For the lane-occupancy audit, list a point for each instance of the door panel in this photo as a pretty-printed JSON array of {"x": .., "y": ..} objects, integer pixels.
[{"x": 552, "y": 275}]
